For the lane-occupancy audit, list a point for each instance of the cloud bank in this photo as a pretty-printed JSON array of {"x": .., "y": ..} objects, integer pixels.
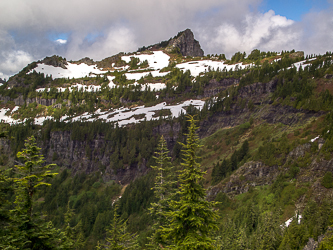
[{"x": 101, "y": 28}]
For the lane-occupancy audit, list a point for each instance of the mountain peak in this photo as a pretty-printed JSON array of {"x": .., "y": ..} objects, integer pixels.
[{"x": 186, "y": 43}]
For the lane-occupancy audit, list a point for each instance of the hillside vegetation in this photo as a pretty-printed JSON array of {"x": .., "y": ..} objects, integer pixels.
[{"x": 263, "y": 158}]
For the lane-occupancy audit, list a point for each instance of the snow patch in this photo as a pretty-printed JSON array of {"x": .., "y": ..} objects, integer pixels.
[
  {"x": 72, "y": 71},
  {"x": 314, "y": 139},
  {"x": 287, "y": 223},
  {"x": 126, "y": 116},
  {"x": 158, "y": 60},
  {"x": 15, "y": 109},
  {"x": 40, "y": 120},
  {"x": 197, "y": 67},
  {"x": 6, "y": 119},
  {"x": 138, "y": 76}
]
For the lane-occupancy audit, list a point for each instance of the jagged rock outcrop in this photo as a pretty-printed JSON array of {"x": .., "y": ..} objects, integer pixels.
[
  {"x": 186, "y": 43},
  {"x": 55, "y": 61},
  {"x": 85, "y": 60},
  {"x": 297, "y": 54}
]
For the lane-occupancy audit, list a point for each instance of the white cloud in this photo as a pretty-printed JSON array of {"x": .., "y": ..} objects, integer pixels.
[
  {"x": 116, "y": 39},
  {"x": 266, "y": 31},
  {"x": 61, "y": 41},
  {"x": 221, "y": 26},
  {"x": 317, "y": 36},
  {"x": 12, "y": 59}
]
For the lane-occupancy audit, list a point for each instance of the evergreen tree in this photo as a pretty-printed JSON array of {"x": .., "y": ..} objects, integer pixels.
[
  {"x": 74, "y": 235},
  {"x": 117, "y": 237},
  {"x": 192, "y": 219},
  {"x": 163, "y": 192},
  {"x": 28, "y": 229},
  {"x": 5, "y": 187}
]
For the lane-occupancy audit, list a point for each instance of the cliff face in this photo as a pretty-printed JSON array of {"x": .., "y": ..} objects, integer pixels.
[
  {"x": 186, "y": 43},
  {"x": 253, "y": 174},
  {"x": 94, "y": 155}
]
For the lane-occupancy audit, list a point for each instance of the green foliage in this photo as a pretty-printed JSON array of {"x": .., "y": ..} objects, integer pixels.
[
  {"x": 27, "y": 229},
  {"x": 192, "y": 218},
  {"x": 221, "y": 170},
  {"x": 117, "y": 237},
  {"x": 327, "y": 180},
  {"x": 163, "y": 191}
]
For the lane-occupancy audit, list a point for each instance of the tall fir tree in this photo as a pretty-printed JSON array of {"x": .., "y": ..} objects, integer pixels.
[
  {"x": 74, "y": 235},
  {"x": 192, "y": 219},
  {"x": 163, "y": 191},
  {"x": 5, "y": 206},
  {"x": 117, "y": 237},
  {"x": 28, "y": 229}
]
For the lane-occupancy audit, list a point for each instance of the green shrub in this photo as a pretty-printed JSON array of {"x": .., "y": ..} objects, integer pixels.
[
  {"x": 293, "y": 170},
  {"x": 96, "y": 185},
  {"x": 223, "y": 199},
  {"x": 327, "y": 180}
]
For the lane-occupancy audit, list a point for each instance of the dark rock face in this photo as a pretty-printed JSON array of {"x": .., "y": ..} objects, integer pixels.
[
  {"x": 214, "y": 87},
  {"x": 87, "y": 156},
  {"x": 259, "y": 94},
  {"x": 251, "y": 174},
  {"x": 20, "y": 101},
  {"x": 55, "y": 61},
  {"x": 311, "y": 245},
  {"x": 186, "y": 43},
  {"x": 86, "y": 60}
]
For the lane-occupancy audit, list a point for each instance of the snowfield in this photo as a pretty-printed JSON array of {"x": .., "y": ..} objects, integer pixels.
[
  {"x": 157, "y": 61},
  {"x": 123, "y": 116},
  {"x": 197, "y": 67},
  {"x": 7, "y": 119},
  {"x": 138, "y": 76},
  {"x": 72, "y": 71}
]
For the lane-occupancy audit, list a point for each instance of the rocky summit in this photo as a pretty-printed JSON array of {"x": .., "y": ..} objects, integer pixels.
[{"x": 186, "y": 43}]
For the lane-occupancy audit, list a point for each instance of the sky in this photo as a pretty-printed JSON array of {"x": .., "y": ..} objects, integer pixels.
[{"x": 31, "y": 30}]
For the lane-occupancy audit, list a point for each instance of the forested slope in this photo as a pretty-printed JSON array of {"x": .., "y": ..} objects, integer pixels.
[{"x": 266, "y": 144}]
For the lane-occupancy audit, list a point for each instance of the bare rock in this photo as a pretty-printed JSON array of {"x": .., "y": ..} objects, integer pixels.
[
  {"x": 55, "y": 61},
  {"x": 299, "y": 151},
  {"x": 85, "y": 60},
  {"x": 311, "y": 245},
  {"x": 186, "y": 43},
  {"x": 297, "y": 54}
]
